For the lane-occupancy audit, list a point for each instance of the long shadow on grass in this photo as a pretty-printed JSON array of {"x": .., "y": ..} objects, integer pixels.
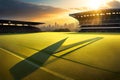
[
  {"x": 92, "y": 66},
  {"x": 68, "y": 46},
  {"x": 88, "y": 42},
  {"x": 32, "y": 63},
  {"x": 76, "y": 44}
]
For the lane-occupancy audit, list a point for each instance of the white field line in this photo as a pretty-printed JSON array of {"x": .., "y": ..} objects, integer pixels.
[{"x": 42, "y": 68}]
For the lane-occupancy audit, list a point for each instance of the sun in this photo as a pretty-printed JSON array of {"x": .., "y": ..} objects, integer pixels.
[{"x": 96, "y": 4}]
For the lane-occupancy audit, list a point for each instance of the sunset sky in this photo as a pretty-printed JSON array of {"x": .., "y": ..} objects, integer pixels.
[
  {"x": 50, "y": 11},
  {"x": 67, "y": 3}
]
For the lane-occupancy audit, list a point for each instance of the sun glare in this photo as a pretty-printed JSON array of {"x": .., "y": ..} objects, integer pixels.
[{"x": 96, "y": 4}]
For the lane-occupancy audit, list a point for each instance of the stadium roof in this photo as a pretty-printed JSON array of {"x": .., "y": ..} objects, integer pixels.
[
  {"x": 98, "y": 11},
  {"x": 20, "y": 22}
]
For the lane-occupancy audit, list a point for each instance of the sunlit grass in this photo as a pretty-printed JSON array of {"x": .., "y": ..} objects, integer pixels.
[{"x": 103, "y": 54}]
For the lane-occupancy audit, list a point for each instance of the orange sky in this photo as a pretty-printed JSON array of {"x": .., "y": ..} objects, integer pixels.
[
  {"x": 65, "y": 18},
  {"x": 49, "y": 11}
]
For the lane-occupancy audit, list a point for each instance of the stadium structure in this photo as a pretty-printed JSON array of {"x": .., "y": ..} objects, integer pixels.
[
  {"x": 103, "y": 20},
  {"x": 13, "y": 26}
]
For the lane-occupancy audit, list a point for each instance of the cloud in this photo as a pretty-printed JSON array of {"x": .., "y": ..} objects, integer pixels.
[
  {"x": 15, "y": 9},
  {"x": 113, "y": 4},
  {"x": 108, "y": 5}
]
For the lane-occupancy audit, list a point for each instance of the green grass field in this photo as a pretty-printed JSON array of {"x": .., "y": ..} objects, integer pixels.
[{"x": 69, "y": 56}]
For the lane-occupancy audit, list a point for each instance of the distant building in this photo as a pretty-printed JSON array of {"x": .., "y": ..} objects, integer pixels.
[
  {"x": 13, "y": 26},
  {"x": 99, "y": 20}
]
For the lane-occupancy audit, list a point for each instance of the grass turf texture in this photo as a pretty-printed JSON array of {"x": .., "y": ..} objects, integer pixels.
[{"x": 82, "y": 56}]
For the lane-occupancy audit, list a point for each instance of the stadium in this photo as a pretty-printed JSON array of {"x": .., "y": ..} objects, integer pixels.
[
  {"x": 14, "y": 26},
  {"x": 103, "y": 20},
  {"x": 62, "y": 55}
]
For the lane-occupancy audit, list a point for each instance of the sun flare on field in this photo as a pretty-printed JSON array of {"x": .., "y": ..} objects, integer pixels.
[{"x": 96, "y": 4}]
